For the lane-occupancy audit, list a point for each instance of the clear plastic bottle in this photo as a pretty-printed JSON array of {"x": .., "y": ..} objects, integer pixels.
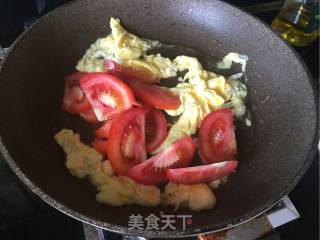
[{"x": 298, "y": 21}]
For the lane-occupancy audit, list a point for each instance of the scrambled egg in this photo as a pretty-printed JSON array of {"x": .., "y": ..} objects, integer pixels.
[
  {"x": 233, "y": 57},
  {"x": 101, "y": 173},
  {"x": 118, "y": 191},
  {"x": 126, "y": 49},
  {"x": 201, "y": 92},
  {"x": 196, "y": 197},
  {"x": 81, "y": 159}
]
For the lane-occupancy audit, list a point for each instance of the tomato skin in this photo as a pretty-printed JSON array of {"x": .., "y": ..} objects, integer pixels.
[
  {"x": 217, "y": 141},
  {"x": 152, "y": 171},
  {"x": 104, "y": 130},
  {"x": 126, "y": 73},
  {"x": 154, "y": 95},
  {"x": 201, "y": 174},
  {"x": 126, "y": 146},
  {"x": 107, "y": 94},
  {"x": 101, "y": 145},
  {"x": 89, "y": 116},
  {"x": 156, "y": 129},
  {"x": 145, "y": 173},
  {"x": 74, "y": 100}
]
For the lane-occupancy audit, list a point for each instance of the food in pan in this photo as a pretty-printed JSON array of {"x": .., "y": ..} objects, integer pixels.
[{"x": 136, "y": 151}]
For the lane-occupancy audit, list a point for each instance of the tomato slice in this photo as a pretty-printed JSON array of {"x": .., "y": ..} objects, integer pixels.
[
  {"x": 201, "y": 174},
  {"x": 104, "y": 130},
  {"x": 126, "y": 146},
  {"x": 126, "y": 73},
  {"x": 154, "y": 95},
  {"x": 107, "y": 94},
  {"x": 152, "y": 171},
  {"x": 156, "y": 129},
  {"x": 101, "y": 145},
  {"x": 217, "y": 141},
  {"x": 74, "y": 100},
  {"x": 89, "y": 116}
]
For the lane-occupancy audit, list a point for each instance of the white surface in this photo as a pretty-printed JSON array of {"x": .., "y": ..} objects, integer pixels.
[
  {"x": 259, "y": 226},
  {"x": 283, "y": 215}
]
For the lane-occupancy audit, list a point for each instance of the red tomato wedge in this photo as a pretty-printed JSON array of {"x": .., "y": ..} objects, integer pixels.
[
  {"x": 107, "y": 94},
  {"x": 101, "y": 145},
  {"x": 156, "y": 129},
  {"x": 89, "y": 116},
  {"x": 217, "y": 141},
  {"x": 74, "y": 100},
  {"x": 154, "y": 95},
  {"x": 126, "y": 73},
  {"x": 126, "y": 146},
  {"x": 201, "y": 174},
  {"x": 152, "y": 171},
  {"x": 104, "y": 130}
]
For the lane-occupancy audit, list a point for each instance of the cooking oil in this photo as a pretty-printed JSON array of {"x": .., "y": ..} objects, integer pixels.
[{"x": 298, "y": 22}]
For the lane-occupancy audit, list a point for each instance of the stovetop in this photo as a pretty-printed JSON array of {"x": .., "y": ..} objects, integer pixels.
[{"x": 24, "y": 216}]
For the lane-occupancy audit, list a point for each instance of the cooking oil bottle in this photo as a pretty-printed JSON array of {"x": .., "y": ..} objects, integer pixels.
[{"x": 298, "y": 21}]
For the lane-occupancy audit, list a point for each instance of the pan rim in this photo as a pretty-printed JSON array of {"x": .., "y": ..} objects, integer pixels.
[{"x": 169, "y": 234}]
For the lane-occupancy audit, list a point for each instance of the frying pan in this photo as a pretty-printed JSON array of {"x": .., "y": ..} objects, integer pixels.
[{"x": 274, "y": 153}]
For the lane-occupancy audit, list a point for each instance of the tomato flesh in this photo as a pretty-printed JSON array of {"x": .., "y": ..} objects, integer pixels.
[
  {"x": 152, "y": 171},
  {"x": 74, "y": 100},
  {"x": 107, "y": 94},
  {"x": 89, "y": 116},
  {"x": 126, "y": 146},
  {"x": 156, "y": 129},
  {"x": 104, "y": 130},
  {"x": 101, "y": 145},
  {"x": 126, "y": 73},
  {"x": 154, "y": 95},
  {"x": 217, "y": 141},
  {"x": 201, "y": 174}
]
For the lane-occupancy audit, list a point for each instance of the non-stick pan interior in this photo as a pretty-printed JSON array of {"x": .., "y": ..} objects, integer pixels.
[{"x": 273, "y": 152}]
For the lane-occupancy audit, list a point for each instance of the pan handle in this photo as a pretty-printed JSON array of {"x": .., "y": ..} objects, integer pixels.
[
  {"x": 128, "y": 237},
  {"x": 95, "y": 233},
  {"x": 92, "y": 232}
]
